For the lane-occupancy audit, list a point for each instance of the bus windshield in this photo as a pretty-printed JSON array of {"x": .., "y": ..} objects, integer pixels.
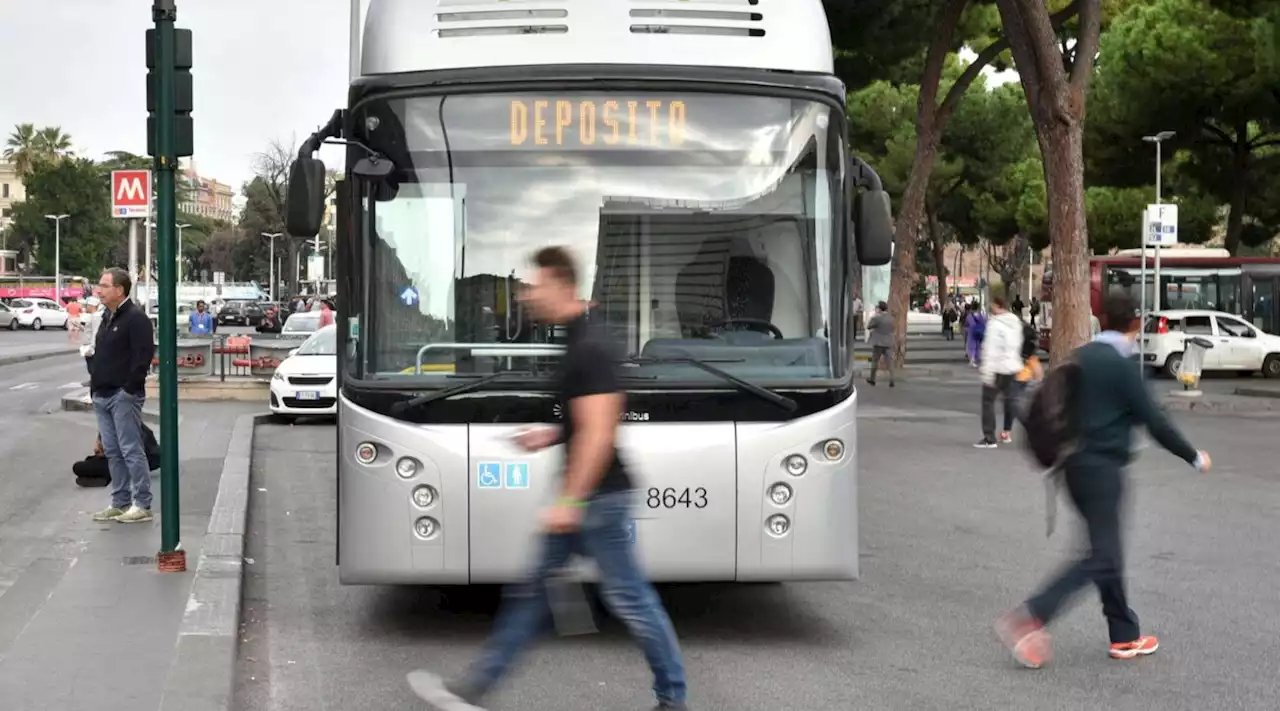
[{"x": 704, "y": 226}]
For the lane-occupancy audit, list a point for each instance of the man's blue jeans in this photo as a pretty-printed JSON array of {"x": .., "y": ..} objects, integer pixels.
[
  {"x": 120, "y": 425},
  {"x": 603, "y": 537}
]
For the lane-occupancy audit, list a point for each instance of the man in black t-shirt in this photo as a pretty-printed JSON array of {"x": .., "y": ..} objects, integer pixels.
[{"x": 591, "y": 516}]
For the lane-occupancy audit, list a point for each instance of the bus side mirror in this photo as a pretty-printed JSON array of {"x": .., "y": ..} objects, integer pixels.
[
  {"x": 304, "y": 208},
  {"x": 873, "y": 227}
]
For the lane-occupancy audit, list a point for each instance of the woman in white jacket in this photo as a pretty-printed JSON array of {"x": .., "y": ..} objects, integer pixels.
[{"x": 1001, "y": 360}]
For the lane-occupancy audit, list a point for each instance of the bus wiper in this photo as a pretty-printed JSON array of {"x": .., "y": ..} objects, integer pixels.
[
  {"x": 460, "y": 389},
  {"x": 782, "y": 401}
]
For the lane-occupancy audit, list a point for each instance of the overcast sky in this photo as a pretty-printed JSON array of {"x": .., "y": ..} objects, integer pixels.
[{"x": 264, "y": 69}]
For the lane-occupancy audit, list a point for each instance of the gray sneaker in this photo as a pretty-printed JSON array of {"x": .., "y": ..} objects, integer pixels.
[
  {"x": 441, "y": 696},
  {"x": 108, "y": 514}
]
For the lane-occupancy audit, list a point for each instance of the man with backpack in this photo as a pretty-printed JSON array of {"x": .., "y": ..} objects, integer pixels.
[
  {"x": 1080, "y": 424},
  {"x": 1000, "y": 361}
]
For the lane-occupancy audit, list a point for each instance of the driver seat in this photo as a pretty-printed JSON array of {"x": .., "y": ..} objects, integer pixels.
[{"x": 749, "y": 292}]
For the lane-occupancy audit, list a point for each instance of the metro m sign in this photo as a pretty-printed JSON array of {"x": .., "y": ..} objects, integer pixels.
[{"x": 130, "y": 193}]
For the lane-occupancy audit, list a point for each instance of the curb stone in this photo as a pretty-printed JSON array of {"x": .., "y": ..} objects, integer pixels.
[
  {"x": 79, "y": 402},
  {"x": 1207, "y": 405},
  {"x": 27, "y": 357},
  {"x": 202, "y": 674}
]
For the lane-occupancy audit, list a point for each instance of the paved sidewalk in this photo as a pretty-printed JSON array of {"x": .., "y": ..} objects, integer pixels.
[
  {"x": 86, "y": 620},
  {"x": 24, "y": 352}
]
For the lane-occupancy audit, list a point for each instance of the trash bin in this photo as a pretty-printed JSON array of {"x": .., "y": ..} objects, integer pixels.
[{"x": 1193, "y": 362}]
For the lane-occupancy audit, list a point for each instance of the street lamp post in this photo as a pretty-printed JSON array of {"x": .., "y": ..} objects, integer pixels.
[
  {"x": 57, "y": 255},
  {"x": 272, "y": 236},
  {"x": 1157, "y": 139},
  {"x": 180, "y": 226}
]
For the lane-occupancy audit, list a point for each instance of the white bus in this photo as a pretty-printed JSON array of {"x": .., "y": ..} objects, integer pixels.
[{"x": 693, "y": 155}]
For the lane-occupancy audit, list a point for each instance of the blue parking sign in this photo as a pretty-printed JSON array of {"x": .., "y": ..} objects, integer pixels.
[
  {"x": 517, "y": 475},
  {"x": 489, "y": 475}
]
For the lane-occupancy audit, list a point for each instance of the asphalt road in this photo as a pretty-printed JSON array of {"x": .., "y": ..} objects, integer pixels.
[{"x": 950, "y": 535}]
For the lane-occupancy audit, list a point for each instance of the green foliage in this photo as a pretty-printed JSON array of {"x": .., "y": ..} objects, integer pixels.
[
  {"x": 28, "y": 146},
  {"x": 874, "y": 38},
  {"x": 1207, "y": 70},
  {"x": 74, "y": 187}
]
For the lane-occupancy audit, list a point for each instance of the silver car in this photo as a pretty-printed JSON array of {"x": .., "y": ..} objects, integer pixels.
[{"x": 8, "y": 318}]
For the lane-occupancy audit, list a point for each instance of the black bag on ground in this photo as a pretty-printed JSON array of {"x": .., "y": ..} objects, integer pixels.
[{"x": 1050, "y": 418}]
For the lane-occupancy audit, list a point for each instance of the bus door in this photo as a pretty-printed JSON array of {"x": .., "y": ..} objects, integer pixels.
[{"x": 1262, "y": 306}]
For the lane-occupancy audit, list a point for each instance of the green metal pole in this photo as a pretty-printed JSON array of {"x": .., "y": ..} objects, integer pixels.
[{"x": 164, "y": 12}]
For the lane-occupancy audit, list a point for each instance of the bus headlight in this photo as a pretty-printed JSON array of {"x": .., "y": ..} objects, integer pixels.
[
  {"x": 780, "y": 494},
  {"x": 424, "y": 496},
  {"x": 426, "y": 527},
  {"x": 366, "y": 453},
  {"x": 833, "y": 449},
  {"x": 796, "y": 465},
  {"x": 778, "y": 525},
  {"x": 407, "y": 467}
]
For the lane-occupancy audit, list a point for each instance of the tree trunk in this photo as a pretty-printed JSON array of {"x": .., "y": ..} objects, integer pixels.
[
  {"x": 1239, "y": 190},
  {"x": 906, "y": 234},
  {"x": 1061, "y": 143},
  {"x": 939, "y": 258},
  {"x": 290, "y": 266}
]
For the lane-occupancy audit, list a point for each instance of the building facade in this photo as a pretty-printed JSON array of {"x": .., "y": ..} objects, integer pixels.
[
  {"x": 207, "y": 197},
  {"x": 11, "y": 192}
]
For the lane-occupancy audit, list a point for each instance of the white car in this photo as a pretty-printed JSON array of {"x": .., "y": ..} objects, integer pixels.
[
  {"x": 302, "y": 323},
  {"x": 306, "y": 383},
  {"x": 39, "y": 313},
  {"x": 1237, "y": 345}
]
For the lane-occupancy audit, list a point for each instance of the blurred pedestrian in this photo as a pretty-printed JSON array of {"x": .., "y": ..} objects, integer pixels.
[
  {"x": 89, "y": 334},
  {"x": 122, "y": 356},
  {"x": 201, "y": 320},
  {"x": 1106, "y": 401},
  {"x": 999, "y": 363},
  {"x": 975, "y": 326},
  {"x": 880, "y": 334},
  {"x": 591, "y": 514}
]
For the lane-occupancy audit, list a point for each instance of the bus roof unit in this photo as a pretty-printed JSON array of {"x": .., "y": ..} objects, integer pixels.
[{"x": 421, "y": 35}]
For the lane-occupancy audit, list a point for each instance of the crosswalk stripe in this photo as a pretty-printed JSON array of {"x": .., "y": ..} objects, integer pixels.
[
  {"x": 25, "y": 386},
  {"x": 72, "y": 384}
]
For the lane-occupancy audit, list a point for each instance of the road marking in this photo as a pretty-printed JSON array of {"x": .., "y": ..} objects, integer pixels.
[
  {"x": 25, "y": 386},
  {"x": 72, "y": 384}
]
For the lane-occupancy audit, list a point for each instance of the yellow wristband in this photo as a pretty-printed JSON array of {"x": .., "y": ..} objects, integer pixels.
[{"x": 570, "y": 501}]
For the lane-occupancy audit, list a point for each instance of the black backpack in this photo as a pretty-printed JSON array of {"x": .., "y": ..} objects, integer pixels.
[
  {"x": 1050, "y": 419},
  {"x": 1030, "y": 341}
]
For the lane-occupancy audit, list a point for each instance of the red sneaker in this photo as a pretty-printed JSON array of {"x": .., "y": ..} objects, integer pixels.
[
  {"x": 1025, "y": 638},
  {"x": 1140, "y": 647}
]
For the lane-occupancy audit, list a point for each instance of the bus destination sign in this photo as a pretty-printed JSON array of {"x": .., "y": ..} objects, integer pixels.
[{"x": 557, "y": 123}]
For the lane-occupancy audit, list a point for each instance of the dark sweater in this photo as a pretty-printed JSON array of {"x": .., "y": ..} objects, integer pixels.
[
  {"x": 122, "y": 352},
  {"x": 1113, "y": 400}
]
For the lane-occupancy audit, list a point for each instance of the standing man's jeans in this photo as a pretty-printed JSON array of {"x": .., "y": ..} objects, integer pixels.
[
  {"x": 1097, "y": 491},
  {"x": 120, "y": 425},
  {"x": 1006, "y": 388},
  {"x": 628, "y": 595}
]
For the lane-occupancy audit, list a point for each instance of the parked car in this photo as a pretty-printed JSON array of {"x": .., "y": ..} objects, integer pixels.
[
  {"x": 184, "y": 314},
  {"x": 1237, "y": 345},
  {"x": 8, "y": 318},
  {"x": 38, "y": 313},
  {"x": 306, "y": 382},
  {"x": 303, "y": 323}
]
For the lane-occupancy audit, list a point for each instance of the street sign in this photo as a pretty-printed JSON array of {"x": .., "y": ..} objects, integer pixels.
[
  {"x": 219, "y": 277},
  {"x": 130, "y": 193},
  {"x": 1160, "y": 225},
  {"x": 409, "y": 295}
]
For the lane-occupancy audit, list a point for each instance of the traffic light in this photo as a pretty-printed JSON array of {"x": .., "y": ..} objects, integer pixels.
[{"x": 183, "y": 136}]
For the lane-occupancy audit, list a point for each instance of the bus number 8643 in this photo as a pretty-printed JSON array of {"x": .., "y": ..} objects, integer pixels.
[{"x": 672, "y": 498}]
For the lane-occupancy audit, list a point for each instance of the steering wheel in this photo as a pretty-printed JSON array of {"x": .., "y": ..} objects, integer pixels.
[{"x": 752, "y": 324}]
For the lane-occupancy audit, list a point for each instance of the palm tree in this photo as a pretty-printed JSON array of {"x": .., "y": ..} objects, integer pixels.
[
  {"x": 21, "y": 148},
  {"x": 53, "y": 142}
]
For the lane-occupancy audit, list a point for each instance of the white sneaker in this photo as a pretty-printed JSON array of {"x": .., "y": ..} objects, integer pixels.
[{"x": 135, "y": 514}]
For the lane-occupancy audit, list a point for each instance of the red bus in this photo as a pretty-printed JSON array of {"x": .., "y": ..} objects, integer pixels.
[
  {"x": 1189, "y": 279},
  {"x": 43, "y": 287}
]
